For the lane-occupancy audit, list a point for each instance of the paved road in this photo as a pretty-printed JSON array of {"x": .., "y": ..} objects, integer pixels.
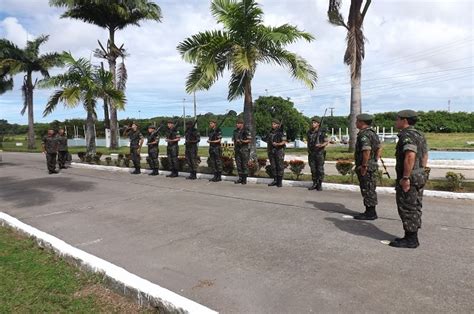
[{"x": 251, "y": 249}]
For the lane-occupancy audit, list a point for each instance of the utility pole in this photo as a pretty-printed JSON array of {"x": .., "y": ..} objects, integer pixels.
[
  {"x": 194, "y": 100},
  {"x": 184, "y": 115},
  {"x": 332, "y": 109}
]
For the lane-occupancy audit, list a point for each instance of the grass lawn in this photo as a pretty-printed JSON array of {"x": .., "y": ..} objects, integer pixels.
[{"x": 33, "y": 280}]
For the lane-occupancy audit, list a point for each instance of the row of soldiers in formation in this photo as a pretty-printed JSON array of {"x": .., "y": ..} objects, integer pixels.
[
  {"x": 411, "y": 160},
  {"x": 54, "y": 146}
]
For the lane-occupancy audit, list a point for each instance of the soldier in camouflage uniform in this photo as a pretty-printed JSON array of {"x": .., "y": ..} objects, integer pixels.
[
  {"x": 192, "y": 137},
  {"x": 153, "y": 141},
  {"x": 136, "y": 142},
  {"x": 50, "y": 149},
  {"x": 317, "y": 142},
  {"x": 367, "y": 153},
  {"x": 215, "y": 151},
  {"x": 276, "y": 143},
  {"x": 172, "y": 150},
  {"x": 411, "y": 158},
  {"x": 241, "y": 141},
  {"x": 63, "y": 152}
]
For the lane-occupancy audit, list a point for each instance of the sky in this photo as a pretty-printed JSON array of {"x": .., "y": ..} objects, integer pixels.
[{"x": 419, "y": 55}]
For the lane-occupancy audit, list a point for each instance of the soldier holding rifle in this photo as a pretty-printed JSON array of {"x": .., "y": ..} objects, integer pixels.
[
  {"x": 136, "y": 142},
  {"x": 317, "y": 142},
  {"x": 241, "y": 139},
  {"x": 191, "y": 152},
  {"x": 276, "y": 143}
]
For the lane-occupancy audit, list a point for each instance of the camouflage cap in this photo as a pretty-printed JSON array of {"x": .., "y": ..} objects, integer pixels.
[
  {"x": 407, "y": 114},
  {"x": 213, "y": 121},
  {"x": 189, "y": 122},
  {"x": 365, "y": 117},
  {"x": 240, "y": 121},
  {"x": 276, "y": 121},
  {"x": 152, "y": 126},
  {"x": 170, "y": 121},
  {"x": 316, "y": 119}
]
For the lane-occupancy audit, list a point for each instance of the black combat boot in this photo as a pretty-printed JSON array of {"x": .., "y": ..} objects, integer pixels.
[
  {"x": 279, "y": 181},
  {"x": 319, "y": 186},
  {"x": 154, "y": 172},
  {"x": 137, "y": 171},
  {"x": 314, "y": 186},
  {"x": 194, "y": 177},
  {"x": 173, "y": 174},
  {"x": 239, "y": 181},
  {"x": 370, "y": 214},
  {"x": 274, "y": 182},
  {"x": 410, "y": 241},
  {"x": 244, "y": 179},
  {"x": 214, "y": 178},
  {"x": 218, "y": 178}
]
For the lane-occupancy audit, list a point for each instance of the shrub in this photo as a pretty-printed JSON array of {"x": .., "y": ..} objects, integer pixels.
[
  {"x": 268, "y": 170},
  {"x": 165, "y": 163},
  {"x": 89, "y": 159},
  {"x": 181, "y": 163},
  {"x": 253, "y": 167},
  {"x": 455, "y": 181},
  {"x": 262, "y": 162},
  {"x": 96, "y": 158},
  {"x": 99, "y": 154},
  {"x": 296, "y": 167},
  {"x": 126, "y": 160},
  {"x": 228, "y": 166},
  {"x": 344, "y": 166},
  {"x": 108, "y": 161},
  {"x": 82, "y": 156}
]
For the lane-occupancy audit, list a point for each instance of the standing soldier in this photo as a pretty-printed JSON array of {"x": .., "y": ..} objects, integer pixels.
[
  {"x": 367, "y": 153},
  {"x": 50, "y": 149},
  {"x": 317, "y": 142},
  {"x": 62, "y": 149},
  {"x": 153, "y": 141},
  {"x": 241, "y": 151},
  {"x": 411, "y": 158},
  {"x": 192, "y": 139},
  {"x": 276, "y": 143},
  {"x": 172, "y": 151},
  {"x": 215, "y": 151},
  {"x": 136, "y": 142}
]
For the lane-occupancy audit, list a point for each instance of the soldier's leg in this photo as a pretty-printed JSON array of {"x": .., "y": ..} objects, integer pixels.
[
  {"x": 49, "y": 163},
  {"x": 238, "y": 163},
  {"x": 61, "y": 159},
  {"x": 367, "y": 190},
  {"x": 245, "y": 165},
  {"x": 219, "y": 164},
  {"x": 271, "y": 160},
  {"x": 409, "y": 209},
  {"x": 280, "y": 167},
  {"x": 312, "y": 166},
  {"x": 320, "y": 169},
  {"x": 212, "y": 163}
]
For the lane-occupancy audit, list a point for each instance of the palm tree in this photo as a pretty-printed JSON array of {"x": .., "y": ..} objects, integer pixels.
[
  {"x": 6, "y": 81},
  {"x": 83, "y": 83},
  {"x": 112, "y": 15},
  {"x": 14, "y": 60},
  {"x": 243, "y": 43},
  {"x": 354, "y": 54}
]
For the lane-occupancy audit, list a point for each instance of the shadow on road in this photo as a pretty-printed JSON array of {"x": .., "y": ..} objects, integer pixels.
[
  {"x": 360, "y": 228},
  {"x": 7, "y": 164},
  {"x": 332, "y": 208},
  {"x": 39, "y": 191}
]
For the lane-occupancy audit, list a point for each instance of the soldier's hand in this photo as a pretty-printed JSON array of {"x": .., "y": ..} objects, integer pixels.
[
  {"x": 405, "y": 183},
  {"x": 363, "y": 171}
]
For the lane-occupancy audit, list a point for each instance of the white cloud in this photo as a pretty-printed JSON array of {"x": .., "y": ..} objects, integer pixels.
[{"x": 12, "y": 30}]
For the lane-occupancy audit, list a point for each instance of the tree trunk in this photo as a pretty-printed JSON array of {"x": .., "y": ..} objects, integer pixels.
[
  {"x": 113, "y": 110},
  {"x": 249, "y": 119},
  {"x": 356, "y": 108},
  {"x": 29, "y": 104},
  {"x": 106, "y": 115},
  {"x": 90, "y": 136}
]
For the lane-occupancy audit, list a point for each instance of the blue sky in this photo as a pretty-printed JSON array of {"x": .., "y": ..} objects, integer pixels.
[{"x": 419, "y": 54}]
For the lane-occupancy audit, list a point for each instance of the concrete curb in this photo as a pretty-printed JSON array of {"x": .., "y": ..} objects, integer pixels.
[
  {"x": 327, "y": 186},
  {"x": 144, "y": 291}
]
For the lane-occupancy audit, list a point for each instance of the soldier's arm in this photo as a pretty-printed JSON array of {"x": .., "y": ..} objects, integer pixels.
[
  {"x": 245, "y": 138},
  {"x": 378, "y": 154},
  {"x": 43, "y": 146}
]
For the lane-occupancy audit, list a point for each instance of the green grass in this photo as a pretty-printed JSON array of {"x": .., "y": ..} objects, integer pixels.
[{"x": 36, "y": 281}]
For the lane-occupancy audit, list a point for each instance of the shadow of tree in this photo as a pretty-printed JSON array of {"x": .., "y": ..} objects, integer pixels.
[
  {"x": 360, "y": 228},
  {"x": 332, "y": 207},
  {"x": 38, "y": 191},
  {"x": 8, "y": 164}
]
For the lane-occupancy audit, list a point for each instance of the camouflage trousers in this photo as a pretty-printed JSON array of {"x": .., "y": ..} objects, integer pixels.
[
  {"x": 153, "y": 158},
  {"x": 191, "y": 154},
  {"x": 215, "y": 158},
  {"x": 172, "y": 152},
  {"x": 409, "y": 206},
  {"x": 277, "y": 158},
  {"x": 242, "y": 155},
  {"x": 135, "y": 157},
  {"x": 51, "y": 161},
  {"x": 368, "y": 185},
  {"x": 62, "y": 158},
  {"x": 316, "y": 163}
]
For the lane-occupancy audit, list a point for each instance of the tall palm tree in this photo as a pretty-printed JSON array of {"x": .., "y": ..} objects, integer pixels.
[
  {"x": 82, "y": 83},
  {"x": 6, "y": 81},
  {"x": 14, "y": 60},
  {"x": 354, "y": 54},
  {"x": 243, "y": 43},
  {"x": 112, "y": 15}
]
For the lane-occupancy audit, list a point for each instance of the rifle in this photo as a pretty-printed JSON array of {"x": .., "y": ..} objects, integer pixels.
[
  {"x": 320, "y": 127},
  {"x": 225, "y": 117},
  {"x": 385, "y": 168}
]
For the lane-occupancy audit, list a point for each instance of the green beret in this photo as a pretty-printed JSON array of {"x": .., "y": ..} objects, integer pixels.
[
  {"x": 240, "y": 121},
  {"x": 276, "y": 121},
  {"x": 316, "y": 119},
  {"x": 365, "y": 117},
  {"x": 407, "y": 114},
  {"x": 152, "y": 127}
]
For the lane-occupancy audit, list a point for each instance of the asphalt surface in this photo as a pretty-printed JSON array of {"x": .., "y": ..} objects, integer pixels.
[{"x": 251, "y": 249}]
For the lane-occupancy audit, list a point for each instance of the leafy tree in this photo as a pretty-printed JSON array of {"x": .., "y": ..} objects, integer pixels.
[
  {"x": 242, "y": 44},
  {"x": 112, "y": 15},
  {"x": 82, "y": 83},
  {"x": 354, "y": 54},
  {"x": 14, "y": 60}
]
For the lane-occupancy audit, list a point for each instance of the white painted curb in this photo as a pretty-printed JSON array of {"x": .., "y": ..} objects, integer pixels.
[
  {"x": 327, "y": 186},
  {"x": 146, "y": 290}
]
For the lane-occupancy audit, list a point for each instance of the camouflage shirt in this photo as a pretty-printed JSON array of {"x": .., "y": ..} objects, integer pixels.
[
  {"x": 172, "y": 134},
  {"x": 412, "y": 140},
  {"x": 240, "y": 135},
  {"x": 276, "y": 136},
  {"x": 314, "y": 139},
  {"x": 62, "y": 142},
  {"x": 50, "y": 144},
  {"x": 367, "y": 139},
  {"x": 214, "y": 135},
  {"x": 153, "y": 137},
  {"x": 192, "y": 136},
  {"x": 135, "y": 138}
]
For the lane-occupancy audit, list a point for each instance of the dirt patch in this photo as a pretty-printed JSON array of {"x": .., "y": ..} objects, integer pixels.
[{"x": 206, "y": 283}]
